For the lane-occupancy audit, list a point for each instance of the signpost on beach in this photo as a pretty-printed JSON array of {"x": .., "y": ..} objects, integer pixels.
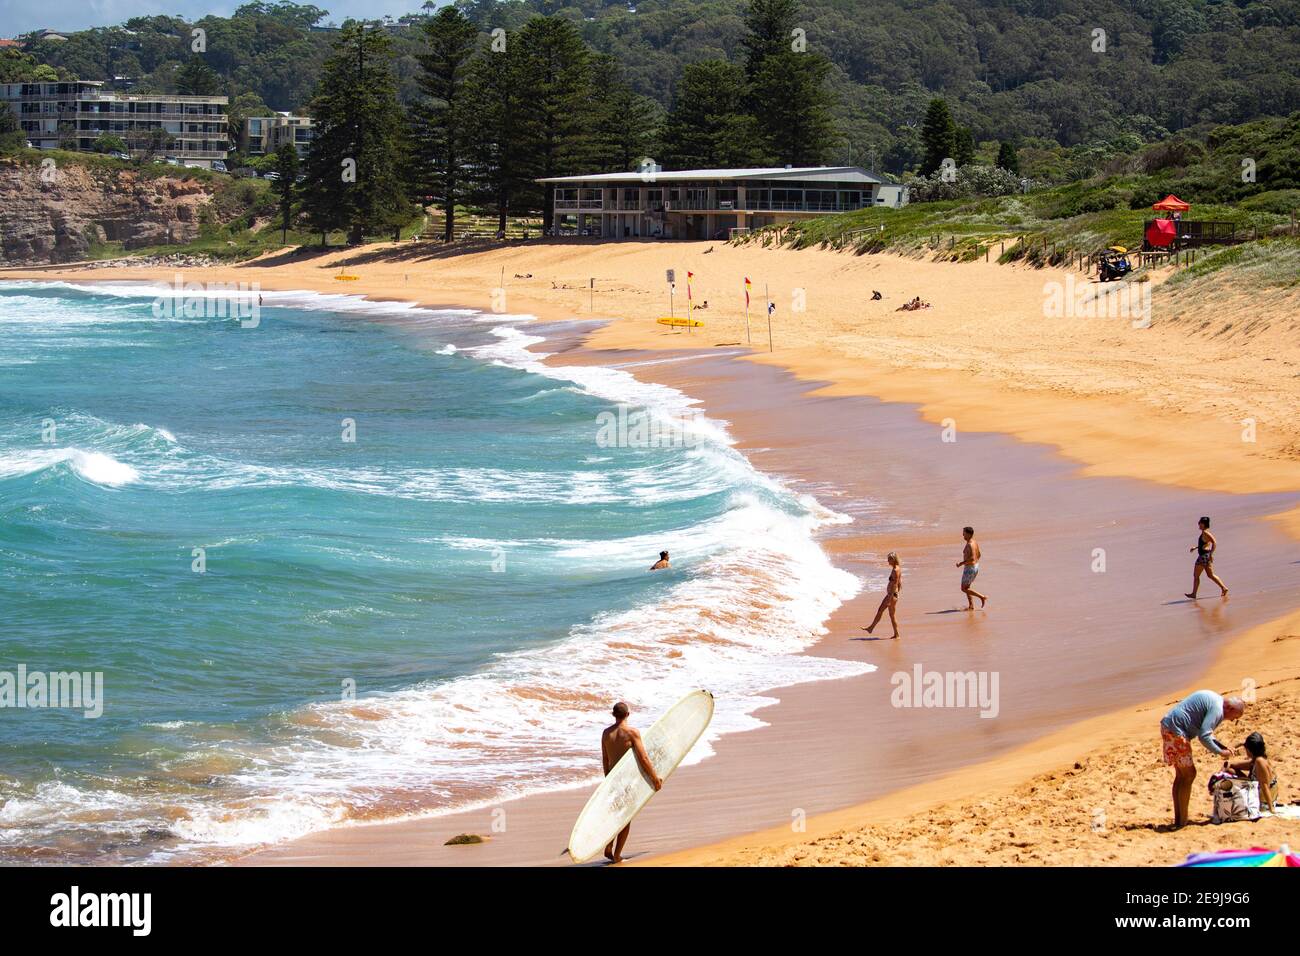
[
  {"x": 672, "y": 287},
  {"x": 771, "y": 307},
  {"x": 592, "y": 295}
]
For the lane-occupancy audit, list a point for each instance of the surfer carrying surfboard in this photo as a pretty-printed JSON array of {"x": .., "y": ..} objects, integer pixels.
[{"x": 617, "y": 739}]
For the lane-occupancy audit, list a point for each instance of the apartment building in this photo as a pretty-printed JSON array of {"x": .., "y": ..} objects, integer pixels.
[
  {"x": 72, "y": 115},
  {"x": 263, "y": 135}
]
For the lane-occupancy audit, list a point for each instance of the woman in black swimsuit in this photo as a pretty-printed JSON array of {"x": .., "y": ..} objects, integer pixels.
[{"x": 1205, "y": 545}]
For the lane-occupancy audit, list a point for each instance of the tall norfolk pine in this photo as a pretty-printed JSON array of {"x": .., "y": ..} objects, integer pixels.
[
  {"x": 555, "y": 66},
  {"x": 354, "y": 177},
  {"x": 441, "y": 119},
  {"x": 500, "y": 137}
]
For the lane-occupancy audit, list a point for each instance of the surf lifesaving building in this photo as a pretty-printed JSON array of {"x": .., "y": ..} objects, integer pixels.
[{"x": 710, "y": 203}]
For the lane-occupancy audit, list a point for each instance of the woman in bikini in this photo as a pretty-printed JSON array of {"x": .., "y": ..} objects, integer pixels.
[
  {"x": 1205, "y": 545},
  {"x": 892, "y": 590}
]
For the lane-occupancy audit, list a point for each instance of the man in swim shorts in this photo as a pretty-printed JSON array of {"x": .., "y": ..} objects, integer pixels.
[
  {"x": 970, "y": 565},
  {"x": 1194, "y": 716},
  {"x": 618, "y": 738}
]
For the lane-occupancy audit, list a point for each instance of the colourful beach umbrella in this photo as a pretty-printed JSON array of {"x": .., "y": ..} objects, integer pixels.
[{"x": 1256, "y": 856}]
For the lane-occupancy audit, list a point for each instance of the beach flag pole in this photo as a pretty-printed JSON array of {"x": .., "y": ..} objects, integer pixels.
[
  {"x": 592, "y": 295},
  {"x": 748, "y": 338},
  {"x": 690, "y": 301}
]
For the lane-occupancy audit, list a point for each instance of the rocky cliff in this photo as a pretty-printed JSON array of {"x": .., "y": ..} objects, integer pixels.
[{"x": 55, "y": 213}]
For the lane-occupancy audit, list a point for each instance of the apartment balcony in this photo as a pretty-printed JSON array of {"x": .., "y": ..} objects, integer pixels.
[
  {"x": 123, "y": 116},
  {"x": 115, "y": 97},
  {"x": 585, "y": 205}
]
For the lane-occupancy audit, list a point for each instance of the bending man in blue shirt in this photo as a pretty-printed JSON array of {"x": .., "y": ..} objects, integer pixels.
[{"x": 1196, "y": 715}]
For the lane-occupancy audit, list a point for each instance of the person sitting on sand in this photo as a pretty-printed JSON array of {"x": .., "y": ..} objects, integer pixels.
[
  {"x": 876, "y": 296},
  {"x": 661, "y": 563},
  {"x": 970, "y": 565},
  {"x": 1196, "y": 715},
  {"x": 892, "y": 591},
  {"x": 1257, "y": 768},
  {"x": 617, "y": 739},
  {"x": 1204, "y": 548}
]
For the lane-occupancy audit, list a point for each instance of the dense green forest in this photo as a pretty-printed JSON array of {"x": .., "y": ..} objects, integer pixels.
[
  {"x": 467, "y": 105},
  {"x": 1033, "y": 72}
]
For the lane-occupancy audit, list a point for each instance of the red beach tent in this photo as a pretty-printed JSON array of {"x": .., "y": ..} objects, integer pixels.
[{"x": 1171, "y": 203}]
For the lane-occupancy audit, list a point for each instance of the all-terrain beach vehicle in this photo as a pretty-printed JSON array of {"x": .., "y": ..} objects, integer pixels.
[{"x": 1114, "y": 264}]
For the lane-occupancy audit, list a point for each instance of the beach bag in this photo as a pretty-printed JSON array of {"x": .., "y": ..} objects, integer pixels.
[{"x": 1234, "y": 799}]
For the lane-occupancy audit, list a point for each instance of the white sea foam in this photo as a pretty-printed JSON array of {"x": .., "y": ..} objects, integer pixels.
[
  {"x": 301, "y": 299},
  {"x": 92, "y": 466}
]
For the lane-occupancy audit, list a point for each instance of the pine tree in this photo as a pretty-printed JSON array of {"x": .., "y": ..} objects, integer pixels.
[
  {"x": 440, "y": 122},
  {"x": 286, "y": 167},
  {"x": 794, "y": 107},
  {"x": 964, "y": 148},
  {"x": 939, "y": 137},
  {"x": 1008, "y": 158},
  {"x": 501, "y": 136},
  {"x": 771, "y": 24},
  {"x": 708, "y": 125},
  {"x": 622, "y": 125},
  {"x": 196, "y": 78},
  {"x": 353, "y": 178},
  {"x": 555, "y": 74},
  {"x": 787, "y": 94}
]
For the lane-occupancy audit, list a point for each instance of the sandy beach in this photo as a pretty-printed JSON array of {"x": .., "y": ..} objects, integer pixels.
[{"x": 1072, "y": 436}]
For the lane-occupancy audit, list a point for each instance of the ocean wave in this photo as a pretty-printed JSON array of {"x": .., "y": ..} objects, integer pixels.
[
  {"x": 301, "y": 299},
  {"x": 92, "y": 466}
]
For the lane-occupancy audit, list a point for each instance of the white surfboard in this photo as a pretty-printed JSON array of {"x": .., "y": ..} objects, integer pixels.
[{"x": 623, "y": 793}]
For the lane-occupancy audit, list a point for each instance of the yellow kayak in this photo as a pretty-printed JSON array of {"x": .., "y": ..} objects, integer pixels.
[
  {"x": 347, "y": 278},
  {"x": 680, "y": 323}
]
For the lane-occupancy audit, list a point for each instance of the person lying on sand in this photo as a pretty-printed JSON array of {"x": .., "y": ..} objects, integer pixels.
[
  {"x": 970, "y": 565},
  {"x": 1204, "y": 548},
  {"x": 1257, "y": 768},
  {"x": 1196, "y": 715},
  {"x": 892, "y": 591},
  {"x": 913, "y": 306},
  {"x": 617, "y": 739},
  {"x": 661, "y": 563}
]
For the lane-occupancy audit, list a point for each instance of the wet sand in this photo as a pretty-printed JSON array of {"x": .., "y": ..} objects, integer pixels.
[{"x": 1067, "y": 642}]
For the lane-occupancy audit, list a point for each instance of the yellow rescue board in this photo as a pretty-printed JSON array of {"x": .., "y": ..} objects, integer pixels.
[
  {"x": 347, "y": 278},
  {"x": 668, "y": 320}
]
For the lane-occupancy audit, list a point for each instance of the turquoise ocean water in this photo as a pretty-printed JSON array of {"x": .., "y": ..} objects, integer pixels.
[{"x": 297, "y": 630}]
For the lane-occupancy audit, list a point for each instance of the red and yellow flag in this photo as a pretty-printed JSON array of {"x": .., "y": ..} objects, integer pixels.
[
  {"x": 748, "y": 285},
  {"x": 690, "y": 302}
]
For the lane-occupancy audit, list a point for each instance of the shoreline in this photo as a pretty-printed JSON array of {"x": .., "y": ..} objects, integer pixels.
[{"x": 614, "y": 341}]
